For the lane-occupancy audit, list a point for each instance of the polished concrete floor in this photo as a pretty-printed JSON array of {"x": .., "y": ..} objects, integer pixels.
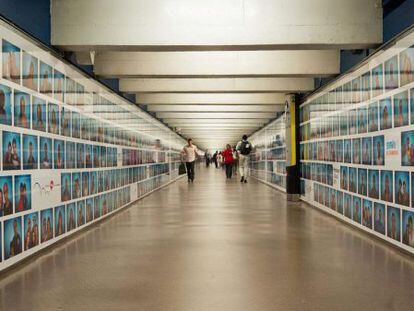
[{"x": 215, "y": 245}]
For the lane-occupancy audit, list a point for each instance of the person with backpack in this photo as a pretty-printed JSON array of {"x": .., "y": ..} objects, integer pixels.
[
  {"x": 228, "y": 160},
  {"x": 244, "y": 147}
]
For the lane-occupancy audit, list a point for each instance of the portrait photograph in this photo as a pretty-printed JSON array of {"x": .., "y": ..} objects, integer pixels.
[
  {"x": 100, "y": 181},
  {"x": 13, "y": 243},
  {"x": 385, "y": 113},
  {"x": 407, "y": 66},
  {"x": 366, "y": 86},
  {"x": 356, "y": 90},
  {"x": 343, "y": 124},
  {"x": 21, "y": 109},
  {"x": 93, "y": 183},
  {"x": 6, "y": 195},
  {"x": 401, "y": 109},
  {"x": 31, "y": 230},
  {"x": 58, "y": 85},
  {"x": 45, "y": 79},
  {"x": 70, "y": 154},
  {"x": 45, "y": 146},
  {"x": 347, "y": 93},
  {"x": 80, "y": 212},
  {"x": 373, "y": 117},
  {"x": 46, "y": 230},
  {"x": 356, "y": 148},
  {"x": 76, "y": 186},
  {"x": 96, "y": 156},
  {"x": 339, "y": 205},
  {"x": 402, "y": 188},
  {"x": 59, "y": 156},
  {"x": 362, "y": 120},
  {"x": 367, "y": 213},
  {"x": 412, "y": 106},
  {"x": 352, "y": 182},
  {"x": 103, "y": 156},
  {"x": 80, "y": 152},
  {"x": 408, "y": 228},
  {"x": 11, "y": 62},
  {"x": 70, "y": 217},
  {"x": 378, "y": 150},
  {"x": 70, "y": 92},
  {"x": 30, "y": 71},
  {"x": 356, "y": 210},
  {"x": 89, "y": 210},
  {"x": 373, "y": 184},
  {"x": 85, "y": 123},
  {"x": 53, "y": 118},
  {"x": 391, "y": 73},
  {"x": 353, "y": 121},
  {"x": 347, "y": 151},
  {"x": 332, "y": 199},
  {"x": 96, "y": 204},
  {"x": 11, "y": 151},
  {"x": 377, "y": 81},
  {"x": 22, "y": 193},
  {"x": 5, "y": 105},
  {"x": 379, "y": 218},
  {"x": 362, "y": 181},
  {"x": 407, "y": 148},
  {"x": 387, "y": 186},
  {"x": 30, "y": 152},
  {"x": 88, "y": 156},
  {"x": 65, "y": 122},
  {"x": 39, "y": 114},
  {"x": 66, "y": 187},
  {"x": 75, "y": 124},
  {"x": 60, "y": 214},
  {"x": 393, "y": 223},
  {"x": 366, "y": 150},
  {"x": 85, "y": 184}
]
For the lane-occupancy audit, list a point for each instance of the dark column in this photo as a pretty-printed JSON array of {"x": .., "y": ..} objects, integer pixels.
[{"x": 292, "y": 147}]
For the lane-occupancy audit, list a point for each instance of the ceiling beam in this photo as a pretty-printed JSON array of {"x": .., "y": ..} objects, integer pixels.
[
  {"x": 216, "y": 108},
  {"x": 215, "y": 115}
]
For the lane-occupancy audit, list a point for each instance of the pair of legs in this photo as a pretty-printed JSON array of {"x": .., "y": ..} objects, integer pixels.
[
  {"x": 190, "y": 170},
  {"x": 229, "y": 169},
  {"x": 243, "y": 167}
]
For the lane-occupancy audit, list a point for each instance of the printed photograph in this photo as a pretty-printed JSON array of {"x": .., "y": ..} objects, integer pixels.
[
  {"x": 407, "y": 66},
  {"x": 85, "y": 184},
  {"x": 377, "y": 82},
  {"x": 385, "y": 113},
  {"x": 59, "y": 148},
  {"x": 60, "y": 220},
  {"x": 401, "y": 109},
  {"x": 30, "y": 71},
  {"x": 66, "y": 183},
  {"x": 408, "y": 228},
  {"x": 59, "y": 85},
  {"x": 5, "y": 105},
  {"x": 379, "y": 217},
  {"x": 362, "y": 120},
  {"x": 22, "y": 193},
  {"x": 391, "y": 73},
  {"x": 65, "y": 122},
  {"x": 13, "y": 244},
  {"x": 347, "y": 151},
  {"x": 366, "y": 86},
  {"x": 412, "y": 106},
  {"x": 11, "y": 62},
  {"x": 367, "y": 213},
  {"x": 45, "y": 146},
  {"x": 378, "y": 150},
  {"x": 80, "y": 151},
  {"x": 386, "y": 186},
  {"x": 39, "y": 114},
  {"x": 88, "y": 156},
  {"x": 352, "y": 183},
  {"x": 393, "y": 223},
  {"x": 402, "y": 188},
  {"x": 46, "y": 217},
  {"x": 31, "y": 230},
  {"x": 96, "y": 156},
  {"x": 356, "y": 211},
  {"x": 373, "y": 180},
  {"x": 344, "y": 124},
  {"x": 339, "y": 152},
  {"x": 70, "y": 154},
  {"x": 30, "y": 152},
  {"x": 53, "y": 118},
  {"x": 356, "y": 148},
  {"x": 353, "y": 119},
  {"x": 80, "y": 211},
  {"x": 75, "y": 124},
  {"x": 362, "y": 181},
  {"x": 76, "y": 186},
  {"x": 366, "y": 150},
  {"x": 46, "y": 79},
  {"x": 11, "y": 151},
  {"x": 96, "y": 204},
  {"x": 89, "y": 210},
  {"x": 6, "y": 195},
  {"x": 21, "y": 109},
  {"x": 94, "y": 183},
  {"x": 70, "y": 217},
  {"x": 373, "y": 117},
  {"x": 407, "y": 148},
  {"x": 339, "y": 196},
  {"x": 356, "y": 90}
]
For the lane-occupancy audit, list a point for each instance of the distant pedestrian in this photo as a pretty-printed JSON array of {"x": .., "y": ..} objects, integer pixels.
[
  {"x": 235, "y": 161},
  {"x": 228, "y": 160},
  {"x": 190, "y": 154},
  {"x": 244, "y": 148},
  {"x": 215, "y": 160}
]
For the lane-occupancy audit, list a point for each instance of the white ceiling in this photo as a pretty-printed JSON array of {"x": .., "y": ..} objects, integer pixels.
[{"x": 214, "y": 70}]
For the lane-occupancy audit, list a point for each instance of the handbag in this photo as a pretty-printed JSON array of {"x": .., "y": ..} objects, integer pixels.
[{"x": 181, "y": 169}]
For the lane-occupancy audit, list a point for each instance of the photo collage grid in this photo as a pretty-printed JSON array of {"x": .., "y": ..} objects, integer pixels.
[
  {"x": 44, "y": 130},
  {"x": 357, "y": 149}
]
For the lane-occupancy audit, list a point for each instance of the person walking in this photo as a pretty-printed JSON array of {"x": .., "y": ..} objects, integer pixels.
[
  {"x": 207, "y": 158},
  {"x": 190, "y": 154},
  {"x": 235, "y": 161},
  {"x": 228, "y": 160},
  {"x": 215, "y": 158},
  {"x": 244, "y": 148}
]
